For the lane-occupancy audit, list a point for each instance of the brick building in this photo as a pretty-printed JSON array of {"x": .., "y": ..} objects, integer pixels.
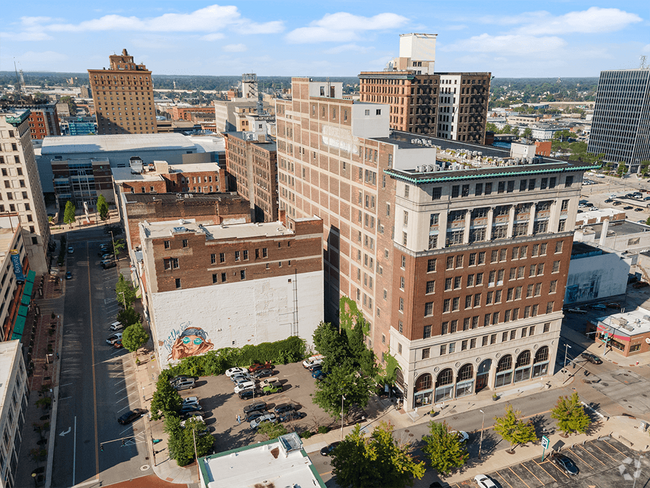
[
  {"x": 123, "y": 97},
  {"x": 12, "y": 286},
  {"x": 190, "y": 273},
  {"x": 446, "y": 105},
  {"x": 192, "y": 114},
  {"x": 625, "y": 333},
  {"x": 453, "y": 266},
  {"x": 82, "y": 180},
  {"x": 251, "y": 158}
]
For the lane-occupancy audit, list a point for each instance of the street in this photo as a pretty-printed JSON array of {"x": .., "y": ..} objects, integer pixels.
[{"x": 97, "y": 385}]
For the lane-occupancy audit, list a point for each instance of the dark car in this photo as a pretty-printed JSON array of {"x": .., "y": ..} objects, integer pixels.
[
  {"x": 565, "y": 464},
  {"x": 190, "y": 407},
  {"x": 640, "y": 284},
  {"x": 262, "y": 373},
  {"x": 108, "y": 264},
  {"x": 131, "y": 415},
  {"x": 320, "y": 375},
  {"x": 628, "y": 207},
  {"x": 315, "y": 367},
  {"x": 327, "y": 450},
  {"x": 68, "y": 275},
  {"x": 255, "y": 415},
  {"x": 592, "y": 358},
  {"x": 283, "y": 408},
  {"x": 638, "y": 209},
  {"x": 293, "y": 415},
  {"x": 254, "y": 407},
  {"x": 248, "y": 394},
  {"x": 257, "y": 366},
  {"x": 609, "y": 200}
]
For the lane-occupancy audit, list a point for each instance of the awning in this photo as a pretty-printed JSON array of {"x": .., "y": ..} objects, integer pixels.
[
  {"x": 28, "y": 289},
  {"x": 26, "y": 299},
  {"x": 23, "y": 310},
  {"x": 30, "y": 276},
  {"x": 18, "y": 328}
]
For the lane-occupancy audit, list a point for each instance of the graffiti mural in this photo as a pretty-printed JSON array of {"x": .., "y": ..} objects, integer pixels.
[{"x": 191, "y": 341}]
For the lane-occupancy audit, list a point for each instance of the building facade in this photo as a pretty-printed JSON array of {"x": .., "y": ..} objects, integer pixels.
[
  {"x": 190, "y": 273},
  {"x": 82, "y": 180},
  {"x": 21, "y": 189},
  {"x": 620, "y": 128},
  {"x": 11, "y": 286},
  {"x": 13, "y": 403},
  {"x": 459, "y": 270},
  {"x": 251, "y": 159},
  {"x": 123, "y": 97},
  {"x": 446, "y": 105}
]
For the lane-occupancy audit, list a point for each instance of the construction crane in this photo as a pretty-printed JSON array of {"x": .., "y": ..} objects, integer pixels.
[{"x": 642, "y": 63}]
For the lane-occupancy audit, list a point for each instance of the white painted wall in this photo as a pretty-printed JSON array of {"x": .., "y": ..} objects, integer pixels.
[
  {"x": 408, "y": 159},
  {"x": 596, "y": 277},
  {"x": 367, "y": 123},
  {"x": 236, "y": 314}
]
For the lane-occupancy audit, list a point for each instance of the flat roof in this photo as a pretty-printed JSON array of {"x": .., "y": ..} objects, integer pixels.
[
  {"x": 167, "y": 198},
  {"x": 268, "y": 144},
  {"x": 114, "y": 142},
  {"x": 124, "y": 174},
  {"x": 209, "y": 144},
  {"x": 583, "y": 250},
  {"x": 8, "y": 352},
  {"x": 281, "y": 463},
  {"x": 627, "y": 324},
  {"x": 193, "y": 167},
  {"x": 621, "y": 227},
  {"x": 168, "y": 228}
]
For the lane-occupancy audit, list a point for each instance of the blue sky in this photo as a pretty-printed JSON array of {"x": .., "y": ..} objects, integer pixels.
[{"x": 328, "y": 38}]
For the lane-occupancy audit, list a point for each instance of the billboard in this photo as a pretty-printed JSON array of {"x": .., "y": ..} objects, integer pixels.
[{"x": 18, "y": 267}]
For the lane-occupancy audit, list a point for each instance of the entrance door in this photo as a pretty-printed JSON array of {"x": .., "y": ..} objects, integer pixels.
[{"x": 483, "y": 375}]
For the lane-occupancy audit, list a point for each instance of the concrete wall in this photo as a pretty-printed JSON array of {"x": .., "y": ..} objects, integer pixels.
[
  {"x": 596, "y": 277},
  {"x": 262, "y": 313}
]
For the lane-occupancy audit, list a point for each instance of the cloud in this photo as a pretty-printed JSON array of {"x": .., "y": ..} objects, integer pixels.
[
  {"x": 347, "y": 48},
  {"x": 42, "y": 57},
  {"x": 456, "y": 27},
  {"x": 213, "y": 37},
  {"x": 344, "y": 27},
  {"x": 235, "y": 48},
  {"x": 516, "y": 44}
]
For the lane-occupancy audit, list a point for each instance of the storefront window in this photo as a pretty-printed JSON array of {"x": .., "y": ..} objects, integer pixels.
[{"x": 504, "y": 371}]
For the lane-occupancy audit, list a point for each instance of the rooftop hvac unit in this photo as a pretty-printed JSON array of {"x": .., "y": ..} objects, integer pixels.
[
  {"x": 620, "y": 321},
  {"x": 418, "y": 169},
  {"x": 646, "y": 317}
]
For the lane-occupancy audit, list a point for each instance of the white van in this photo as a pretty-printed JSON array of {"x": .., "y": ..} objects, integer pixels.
[{"x": 116, "y": 326}]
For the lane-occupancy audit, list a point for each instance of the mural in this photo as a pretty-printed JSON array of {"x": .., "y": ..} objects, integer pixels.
[
  {"x": 585, "y": 286},
  {"x": 187, "y": 341}
]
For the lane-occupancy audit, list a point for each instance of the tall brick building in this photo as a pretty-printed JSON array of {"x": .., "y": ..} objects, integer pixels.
[
  {"x": 454, "y": 266},
  {"x": 445, "y": 105},
  {"x": 123, "y": 96}
]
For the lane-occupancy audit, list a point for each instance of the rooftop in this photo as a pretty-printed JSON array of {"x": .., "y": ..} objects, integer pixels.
[
  {"x": 121, "y": 175},
  {"x": 627, "y": 324},
  {"x": 620, "y": 228},
  {"x": 280, "y": 462},
  {"x": 8, "y": 351},
  {"x": 172, "y": 198},
  {"x": 583, "y": 250},
  {"x": 114, "y": 142},
  {"x": 208, "y": 144},
  {"x": 8, "y": 226},
  {"x": 193, "y": 167},
  {"x": 155, "y": 230}
]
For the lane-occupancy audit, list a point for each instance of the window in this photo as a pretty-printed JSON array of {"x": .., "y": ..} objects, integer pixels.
[
  {"x": 532, "y": 271},
  {"x": 565, "y": 205},
  {"x": 178, "y": 282},
  {"x": 465, "y": 191},
  {"x": 501, "y": 187},
  {"x": 558, "y": 246},
  {"x": 431, "y": 286},
  {"x": 427, "y": 332},
  {"x": 542, "y": 249},
  {"x": 543, "y": 184},
  {"x": 459, "y": 261},
  {"x": 428, "y": 309},
  {"x": 425, "y": 353},
  {"x": 489, "y": 298},
  {"x": 445, "y": 328},
  {"x": 538, "y": 289},
  {"x": 478, "y": 190},
  {"x": 531, "y": 330},
  {"x": 222, "y": 257},
  {"x": 568, "y": 181},
  {"x": 167, "y": 244},
  {"x": 401, "y": 305},
  {"x": 472, "y": 259},
  {"x": 510, "y": 294},
  {"x": 434, "y": 219},
  {"x": 488, "y": 188},
  {"x": 494, "y": 257},
  {"x": 400, "y": 326},
  {"x": 484, "y": 341},
  {"x": 457, "y": 282},
  {"x": 522, "y": 185},
  {"x": 553, "y": 286},
  {"x": 518, "y": 291},
  {"x": 448, "y": 282},
  {"x": 245, "y": 255},
  {"x": 214, "y": 278},
  {"x": 556, "y": 267},
  {"x": 406, "y": 190},
  {"x": 399, "y": 349},
  {"x": 237, "y": 255},
  {"x": 242, "y": 274},
  {"x": 515, "y": 253},
  {"x": 446, "y": 304},
  {"x": 513, "y": 274},
  {"x": 401, "y": 282},
  {"x": 184, "y": 242},
  {"x": 511, "y": 186},
  {"x": 455, "y": 191},
  {"x": 547, "y": 327},
  {"x": 403, "y": 261},
  {"x": 431, "y": 265},
  {"x": 470, "y": 280},
  {"x": 436, "y": 194},
  {"x": 520, "y": 272},
  {"x": 468, "y": 302},
  {"x": 549, "y": 307},
  {"x": 523, "y": 332},
  {"x": 497, "y": 296},
  {"x": 443, "y": 349},
  {"x": 455, "y": 305},
  {"x": 223, "y": 277},
  {"x": 479, "y": 279},
  {"x": 481, "y": 257},
  {"x": 477, "y": 299},
  {"x": 450, "y": 262}
]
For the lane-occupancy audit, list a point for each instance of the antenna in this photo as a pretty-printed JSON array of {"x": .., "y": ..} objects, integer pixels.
[{"x": 643, "y": 60}]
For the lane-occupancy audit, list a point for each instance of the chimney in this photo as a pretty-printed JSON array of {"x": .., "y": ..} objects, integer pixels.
[{"x": 603, "y": 232}]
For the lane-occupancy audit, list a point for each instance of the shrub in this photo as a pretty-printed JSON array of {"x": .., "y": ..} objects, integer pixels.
[
  {"x": 323, "y": 429},
  {"x": 306, "y": 434}
]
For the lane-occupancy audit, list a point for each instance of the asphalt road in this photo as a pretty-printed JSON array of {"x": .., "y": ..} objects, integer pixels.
[{"x": 97, "y": 384}]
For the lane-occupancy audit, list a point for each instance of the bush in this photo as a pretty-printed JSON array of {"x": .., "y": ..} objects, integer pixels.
[
  {"x": 306, "y": 434},
  {"x": 323, "y": 429}
]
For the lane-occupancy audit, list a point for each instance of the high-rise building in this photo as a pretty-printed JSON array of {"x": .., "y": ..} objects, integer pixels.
[
  {"x": 445, "y": 105},
  {"x": 620, "y": 128},
  {"x": 21, "y": 188},
  {"x": 123, "y": 97},
  {"x": 458, "y": 264},
  {"x": 43, "y": 117}
]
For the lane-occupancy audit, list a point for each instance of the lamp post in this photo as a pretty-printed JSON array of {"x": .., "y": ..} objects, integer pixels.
[
  {"x": 480, "y": 442},
  {"x": 566, "y": 351},
  {"x": 342, "y": 398}
]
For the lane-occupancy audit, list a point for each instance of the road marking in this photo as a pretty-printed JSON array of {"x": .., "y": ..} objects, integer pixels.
[
  {"x": 540, "y": 465},
  {"x": 556, "y": 467},
  {"x": 122, "y": 389},
  {"x": 123, "y": 408},
  {"x": 604, "y": 452},
  {"x": 614, "y": 448},
  {"x": 579, "y": 457},
  {"x": 66, "y": 398},
  {"x": 532, "y": 473},
  {"x": 591, "y": 454},
  {"x": 505, "y": 480},
  {"x": 74, "y": 452},
  {"x": 127, "y": 396},
  {"x": 519, "y": 477},
  {"x": 92, "y": 353},
  {"x": 67, "y": 384}
]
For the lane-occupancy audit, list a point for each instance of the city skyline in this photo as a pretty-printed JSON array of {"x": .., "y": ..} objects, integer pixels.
[{"x": 336, "y": 39}]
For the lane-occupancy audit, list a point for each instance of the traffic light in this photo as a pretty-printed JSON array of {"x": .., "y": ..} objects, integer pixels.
[
  {"x": 101, "y": 447},
  {"x": 123, "y": 442}
]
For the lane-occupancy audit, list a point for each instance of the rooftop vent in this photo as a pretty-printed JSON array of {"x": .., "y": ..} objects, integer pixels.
[{"x": 179, "y": 230}]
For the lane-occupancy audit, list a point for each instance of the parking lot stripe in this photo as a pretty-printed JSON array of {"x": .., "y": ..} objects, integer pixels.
[
  {"x": 587, "y": 451},
  {"x": 614, "y": 447},
  {"x": 559, "y": 470},
  {"x": 604, "y": 452},
  {"x": 505, "y": 481},
  {"x": 519, "y": 477},
  {"x": 540, "y": 481},
  {"x": 580, "y": 457},
  {"x": 540, "y": 465}
]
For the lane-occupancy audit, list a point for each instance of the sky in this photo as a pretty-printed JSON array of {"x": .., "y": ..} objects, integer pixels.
[{"x": 328, "y": 38}]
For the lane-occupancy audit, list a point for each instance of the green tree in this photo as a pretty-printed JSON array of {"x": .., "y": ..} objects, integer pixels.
[
  {"x": 271, "y": 430},
  {"x": 118, "y": 246},
  {"x": 125, "y": 291},
  {"x": 527, "y": 133},
  {"x": 69, "y": 213},
  {"x": 360, "y": 462},
  {"x": 490, "y": 127},
  {"x": 514, "y": 430},
  {"x": 621, "y": 170},
  {"x": 445, "y": 449},
  {"x": 363, "y": 357},
  {"x": 165, "y": 399},
  {"x": 102, "y": 207},
  {"x": 128, "y": 316},
  {"x": 134, "y": 337},
  {"x": 183, "y": 440},
  {"x": 515, "y": 131},
  {"x": 571, "y": 415},
  {"x": 331, "y": 344},
  {"x": 644, "y": 168},
  {"x": 647, "y": 222},
  {"x": 342, "y": 382},
  {"x": 506, "y": 129}
]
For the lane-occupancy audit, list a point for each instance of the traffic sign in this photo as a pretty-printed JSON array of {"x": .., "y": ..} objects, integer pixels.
[{"x": 545, "y": 442}]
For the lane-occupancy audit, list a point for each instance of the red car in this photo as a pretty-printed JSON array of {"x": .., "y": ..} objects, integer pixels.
[
  {"x": 118, "y": 344},
  {"x": 258, "y": 366}
]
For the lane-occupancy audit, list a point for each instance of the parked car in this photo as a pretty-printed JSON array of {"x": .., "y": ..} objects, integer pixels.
[
  {"x": 233, "y": 371},
  {"x": 609, "y": 200},
  {"x": 131, "y": 415},
  {"x": 592, "y": 358},
  {"x": 628, "y": 207},
  {"x": 269, "y": 417},
  {"x": 318, "y": 364},
  {"x": 186, "y": 384},
  {"x": 262, "y": 373},
  {"x": 320, "y": 375},
  {"x": 462, "y": 435},
  {"x": 118, "y": 344},
  {"x": 70, "y": 250},
  {"x": 254, "y": 415},
  {"x": 565, "y": 464},
  {"x": 312, "y": 360},
  {"x": 254, "y": 407},
  {"x": 246, "y": 385},
  {"x": 598, "y": 306},
  {"x": 189, "y": 408},
  {"x": 116, "y": 326},
  {"x": 269, "y": 389},
  {"x": 107, "y": 256},
  {"x": 640, "y": 284},
  {"x": 240, "y": 378},
  {"x": 638, "y": 209},
  {"x": 190, "y": 401},
  {"x": 199, "y": 418},
  {"x": 283, "y": 408},
  {"x": 248, "y": 394},
  {"x": 484, "y": 482},
  {"x": 68, "y": 275},
  {"x": 258, "y": 366},
  {"x": 617, "y": 203},
  {"x": 111, "y": 339},
  {"x": 109, "y": 264},
  {"x": 327, "y": 450},
  {"x": 293, "y": 415}
]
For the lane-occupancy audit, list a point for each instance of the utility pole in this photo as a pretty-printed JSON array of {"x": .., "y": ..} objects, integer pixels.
[
  {"x": 342, "y": 398},
  {"x": 480, "y": 443},
  {"x": 196, "y": 454}
]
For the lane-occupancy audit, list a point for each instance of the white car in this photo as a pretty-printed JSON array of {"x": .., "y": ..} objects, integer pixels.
[
  {"x": 115, "y": 337},
  {"x": 311, "y": 360},
  {"x": 238, "y": 378},
  {"x": 233, "y": 371},
  {"x": 195, "y": 417},
  {"x": 246, "y": 385},
  {"x": 484, "y": 482},
  {"x": 462, "y": 435},
  {"x": 269, "y": 417}
]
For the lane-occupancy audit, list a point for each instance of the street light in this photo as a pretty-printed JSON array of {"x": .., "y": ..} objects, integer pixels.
[
  {"x": 566, "y": 351},
  {"x": 480, "y": 443},
  {"x": 342, "y": 398}
]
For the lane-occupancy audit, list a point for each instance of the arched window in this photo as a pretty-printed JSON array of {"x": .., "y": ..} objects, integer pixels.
[
  {"x": 522, "y": 368},
  {"x": 423, "y": 382},
  {"x": 505, "y": 363},
  {"x": 423, "y": 391},
  {"x": 540, "y": 367},
  {"x": 445, "y": 377},
  {"x": 445, "y": 385},
  {"x": 465, "y": 380},
  {"x": 504, "y": 371},
  {"x": 541, "y": 355},
  {"x": 465, "y": 373},
  {"x": 523, "y": 359}
]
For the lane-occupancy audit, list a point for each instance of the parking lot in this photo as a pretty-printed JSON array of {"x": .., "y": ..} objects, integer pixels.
[
  {"x": 603, "y": 463},
  {"x": 221, "y": 406}
]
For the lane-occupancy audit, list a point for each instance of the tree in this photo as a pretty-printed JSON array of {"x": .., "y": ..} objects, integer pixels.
[
  {"x": 527, "y": 133},
  {"x": 342, "y": 381},
  {"x": 118, "y": 246},
  {"x": 644, "y": 168},
  {"x": 125, "y": 291},
  {"x": 445, "y": 449},
  {"x": 165, "y": 399},
  {"x": 360, "y": 462},
  {"x": 69, "y": 213},
  {"x": 490, "y": 127},
  {"x": 514, "y": 430},
  {"x": 515, "y": 131},
  {"x": 506, "y": 129},
  {"x": 102, "y": 207},
  {"x": 621, "y": 170},
  {"x": 331, "y": 344},
  {"x": 128, "y": 316},
  {"x": 271, "y": 430},
  {"x": 647, "y": 222},
  {"x": 571, "y": 415},
  {"x": 182, "y": 440},
  {"x": 134, "y": 337}
]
